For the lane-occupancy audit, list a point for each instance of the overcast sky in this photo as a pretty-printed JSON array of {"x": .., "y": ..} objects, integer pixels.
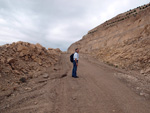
[{"x": 56, "y": 23}]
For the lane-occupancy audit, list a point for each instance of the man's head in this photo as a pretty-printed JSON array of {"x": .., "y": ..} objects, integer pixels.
[{"x": 77, "y": 50}]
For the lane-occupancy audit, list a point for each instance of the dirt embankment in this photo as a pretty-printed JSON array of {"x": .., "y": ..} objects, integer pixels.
[
  {"x": 123, "y": 41},
  {"x": 22, "y": 61}
]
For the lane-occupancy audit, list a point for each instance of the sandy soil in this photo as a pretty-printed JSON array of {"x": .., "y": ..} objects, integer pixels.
[{"x": 99, "y": 89}]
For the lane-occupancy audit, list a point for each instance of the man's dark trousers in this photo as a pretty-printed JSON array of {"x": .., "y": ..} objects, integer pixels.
[{"x": 74, "y": 70}]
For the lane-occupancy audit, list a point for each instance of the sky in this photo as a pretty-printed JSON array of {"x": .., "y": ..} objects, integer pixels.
[{"x": 56, "y": 23}]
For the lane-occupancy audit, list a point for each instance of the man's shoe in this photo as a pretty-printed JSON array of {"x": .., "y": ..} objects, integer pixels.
[{"x": 76, "y": 77}]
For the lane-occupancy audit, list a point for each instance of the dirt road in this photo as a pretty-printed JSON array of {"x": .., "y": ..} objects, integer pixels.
[{"x": 96, "y": 90}]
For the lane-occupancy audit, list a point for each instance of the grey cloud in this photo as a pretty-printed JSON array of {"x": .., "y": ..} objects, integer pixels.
[{"x": 55, "y": 23}]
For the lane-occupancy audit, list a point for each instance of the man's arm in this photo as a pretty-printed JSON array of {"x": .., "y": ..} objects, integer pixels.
[{"x": 76, "y": 61}]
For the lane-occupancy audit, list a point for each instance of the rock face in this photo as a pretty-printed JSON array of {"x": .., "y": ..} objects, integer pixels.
[
  {"x": 123, "y": 41},
  {"x": 26, "y": 60}
]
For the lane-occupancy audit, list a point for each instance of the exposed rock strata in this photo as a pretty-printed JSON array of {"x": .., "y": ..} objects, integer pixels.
[{"x": 123, "y": 41}]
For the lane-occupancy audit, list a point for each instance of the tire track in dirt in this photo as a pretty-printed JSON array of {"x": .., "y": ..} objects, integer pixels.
[{"x": 97, "y": 90}]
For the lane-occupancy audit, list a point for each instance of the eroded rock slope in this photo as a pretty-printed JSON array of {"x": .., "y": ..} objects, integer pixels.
[{"x": 123, "y": 41}]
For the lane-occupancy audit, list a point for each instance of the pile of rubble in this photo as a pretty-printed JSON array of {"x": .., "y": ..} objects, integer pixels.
[{"x": 20, "y": 61}]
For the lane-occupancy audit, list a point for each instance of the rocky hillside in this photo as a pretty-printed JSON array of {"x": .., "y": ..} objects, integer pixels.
[
  {"x": 123, "y": 41},
  {"x": 22, "y": 61}
]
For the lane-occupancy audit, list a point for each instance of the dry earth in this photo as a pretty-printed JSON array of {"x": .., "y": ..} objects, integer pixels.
[
  {"x": 21, "y": 61},
  {"x": 97, "y": 90},
  {"x": 34, "y": 79}
]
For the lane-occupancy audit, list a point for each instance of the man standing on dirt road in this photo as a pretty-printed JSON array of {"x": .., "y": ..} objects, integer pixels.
[{"x": 75, "y": 63}]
